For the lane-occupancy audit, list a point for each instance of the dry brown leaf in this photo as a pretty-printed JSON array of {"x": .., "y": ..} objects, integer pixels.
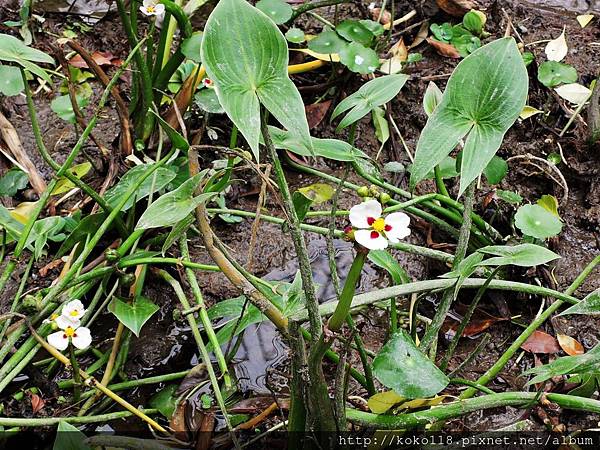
[
  {"x": 316, "y": 112},
  {"x": 101, "y": 58},
  {"x": 421, "y": 35},
  {"x": 50, "y": 266},
  {"x": 399, "y": 50},
  {"x": 540, "y": 342},
  {"x": 386, "y": 17},
  {"x": 10, "y": 136},
  {"x": 444, "y": 49},
  {"x": 571, "y": 346},
  {"x": 37, "y": 403},
  {"x": 456, "y": 8}
]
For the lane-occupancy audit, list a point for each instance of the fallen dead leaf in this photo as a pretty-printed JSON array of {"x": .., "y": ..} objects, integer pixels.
[
  {"x": 540, "y": 342},
  {"x": 386, "y": 17},
  {"x": 557, "y": 48},
  {"x": 529, "y": 111},
  {"x": 571, "y": 346},
  {"x": 584, "y": 19},
  {"x": 50, "y": 266},
  {"x": 421, "y": 35},
  {"x": 100, "y": 58},
  {"x": 37, "y": 403},
  {"x": 456, "y": 8},
  {"x": 444, "y": 49},
  {"x": 316, "y": 112}
]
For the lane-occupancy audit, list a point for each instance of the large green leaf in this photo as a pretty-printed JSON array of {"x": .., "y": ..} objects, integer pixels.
[
  {"x": 174, "y": 206},
  {"x": 14, "y": 50},
  {"x": 69, "y": 437},
  {"x": 483, "y": 98},
  {"x": 375, "y": 93},
  {"x": 401, "y": 366},
  {"x": 247, "y": 56},
  {"x": 11, "y": 81},
  {"x": 134, "y": 315},
  {"x": 589, "y": 305}
]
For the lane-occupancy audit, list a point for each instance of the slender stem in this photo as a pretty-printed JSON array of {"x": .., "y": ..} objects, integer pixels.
[
  {"x": 491, "y": 373},
  {"x": 439, "y": 182},
  {"x": 50, "y": 421},
  {"x": 430, "y": 339},
  {"x": 76, "y": 375},
  {"x": 310, "y": 6}
]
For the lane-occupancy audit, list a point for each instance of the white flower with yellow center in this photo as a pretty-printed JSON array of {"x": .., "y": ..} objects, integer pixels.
[
  {"x": 152, "y": 8},
  {"x": 71, "y": 314},
  {"x": 80, "y": 337},
  {"x": 373, "y": 230}
]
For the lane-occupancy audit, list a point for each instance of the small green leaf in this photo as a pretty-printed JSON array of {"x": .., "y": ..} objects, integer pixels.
[
  {"x": 175, "y": 137},
  {"x": 509, "y": 197},
  {"x": 306, "y": 196},
  {"x": 383, "y": 259},
  {"x": 465, "y": 269},
  {"x": 65, "y": 185},
  {"x": 11, "y": 81},
  {"x": 589, "y": 305},
  {"x": 174, "y": 206},
  {"x": 442, "y": 33},
  {"x": 62, "y": 106},
  {"x": 327, "y": 42},
  {"x": 277, "y": 10},
  {"x": 374, "y": 27},
  {"x": 524, "y": 255},
  {"x": 69, "y": 437},
  {"x": 528, "y": 58},
  {"x": 354, "y": 31},
  {"x": 536, "y": 221},
  {"x": 473, "y": 22},
  {"x": 553, "y": 73},
  {"x": 165, "y": 400},
  {"x": 433, "y": 96},
  {"x": 401, "y": 366},
  {"x": 375, "y": 93},
  {"x": 359, "y": 58},
  {"x": 496, "y": 170},
  {"x": 134, "y": 315},
  {"x": 13, "y": 181},
  {"x": 191, "y": 47},
  {"x": 382, "y": 129},
  {"x": 295, "y": 35},
  {"x": 549, "y": 203}
]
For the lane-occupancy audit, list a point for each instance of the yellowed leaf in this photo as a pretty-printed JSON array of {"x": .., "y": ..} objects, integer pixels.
[
  {"x": 23, "y": 211},
  {"x": 391, "y": 65},
  {"x": 383, "y": 401},
  {"x": 584, "y": 19},
  {"x": 571, "y": 346},
  {"x": 333, "y": 57},
  {"x": 65, "y": 185},
  {"x": 557, "y": 48},
  {"x": 529, "y": 111},
  {"x": 423, "y": 402},
  {"x": 574, "y": 93}
]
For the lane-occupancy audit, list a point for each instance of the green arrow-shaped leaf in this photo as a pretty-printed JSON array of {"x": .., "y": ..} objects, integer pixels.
[{"x": 134, "y": 315}]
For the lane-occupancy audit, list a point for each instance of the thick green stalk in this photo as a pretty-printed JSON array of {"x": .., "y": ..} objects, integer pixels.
[
  {"x": 343, "y": 307},
  {"x": 51, "y": 421},
  {"x": 462, "y": 407},
  {"x": 516, "y": 345},
  {"x": 15, "y": 302}
]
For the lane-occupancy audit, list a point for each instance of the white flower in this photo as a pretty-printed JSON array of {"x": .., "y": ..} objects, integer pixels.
[
  {"x": 152, "y": 8},
  {"x": 375, "y": 231},
  {"x": 71, "y": 314},
  {"x": 208, "y": 83},
  {"x": 80, "y": 337}
]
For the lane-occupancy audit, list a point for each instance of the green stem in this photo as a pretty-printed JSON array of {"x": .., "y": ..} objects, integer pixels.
[
  {"x": 51, "y": 421},
  {"x": 343, "y": 306},
  {"x": 76, "y": 375},
  {"x": 439, "y": 182},
  {"x": 310, "y": 6},
  {"x": 516, "y": 345}
]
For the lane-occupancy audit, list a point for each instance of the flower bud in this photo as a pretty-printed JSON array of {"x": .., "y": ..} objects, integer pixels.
[
  {"x": 348, "y": 234},
  {"x": 363, "y": 191},
  {"x": 374, "y": 191},
  {"x": 384, "y": 198},
  {"x": 111, "y": 255}
]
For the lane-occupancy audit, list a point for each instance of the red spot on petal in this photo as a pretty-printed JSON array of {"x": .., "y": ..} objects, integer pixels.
[
  {"x": 388, "y": 228},
  {"x": 370, "y": 220},
  {"x": 374, "y": 234}
]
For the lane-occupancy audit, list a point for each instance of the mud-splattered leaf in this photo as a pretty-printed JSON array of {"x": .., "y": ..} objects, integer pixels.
[
  {"x": 483, "y": 98},
  {"x": 570, "y": 346},
  {"x": 557, "y": 48},
  {"x": 401, "y": 366},
  {"x": 246, "y": 56},
  {"x": 540, "y": 342},
  {"x": 444, "y": 48},
  {"x": 133, "y": 315},
  {"x": 524, "y": 255}
]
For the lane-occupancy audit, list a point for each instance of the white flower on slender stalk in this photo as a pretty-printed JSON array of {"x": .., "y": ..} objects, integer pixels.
[
  {"x": 152, "y": 8},
  {"x": 71, "y": 314},
  {"x": 374, "y": 231},
  {"x": 80, "y": 337}
]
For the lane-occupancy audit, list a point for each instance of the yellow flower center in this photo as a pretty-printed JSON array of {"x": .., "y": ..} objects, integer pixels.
[
  {"x": 69, "y": 332},
  {"x": 150, "y": 9},
  {"x": 379, "y": 225},
  {"x": 54, "y": 316},
  {"x": 74, "y": 313}
]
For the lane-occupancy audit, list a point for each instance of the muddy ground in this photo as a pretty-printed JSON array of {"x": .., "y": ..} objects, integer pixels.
[{"x": 166, "y": 345}]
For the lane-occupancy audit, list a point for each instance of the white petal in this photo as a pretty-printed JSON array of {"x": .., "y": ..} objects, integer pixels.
[
  {"x": 144, "y": 10},
  {"x": 82, "y": 338},
  {"x": 58, "y": 340},
  {"x": 363, "y": 237},
  {"x": 359, "y": 213},
  {"x": 73, "y": 310},
  {"x": 399, "y": 223},
  {"x": 557, "y": 48},
  {"x": 159, "y": 9},
  {"x": 147, "y": 3},
  {"x": 63, "y": 322}
]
